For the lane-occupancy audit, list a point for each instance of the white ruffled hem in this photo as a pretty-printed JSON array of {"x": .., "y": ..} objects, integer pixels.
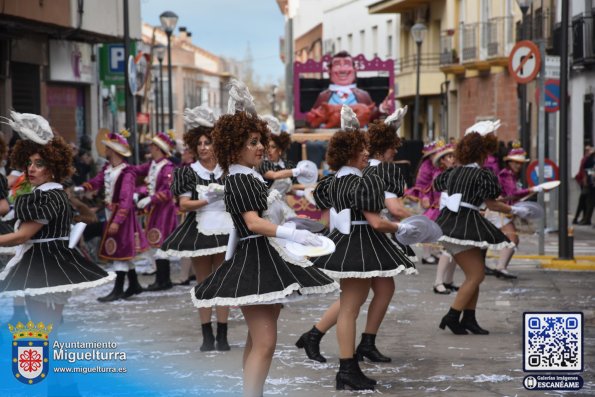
[
  {"x": 268, "y": 298},
  {"x": 59, "y": 288},
  {"x": 287, "y": 256},
  {"x": 371, "y": 274},
  {"x": 479, "y": 244},
  {"x": 192, "y": 254}
]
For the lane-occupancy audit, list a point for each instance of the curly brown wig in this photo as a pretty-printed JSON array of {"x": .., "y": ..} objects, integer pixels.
[
  {"x": 473, "y": 148},
  {"x": 382, "y": 137},
  {"x": 191, "y": 137},
  {"x": 56, "y": 153},
  {"x": 283, "y": 141},
  {"x": 344, "y": 146},
  {"x": 230, "y": 133},
  {"x": 491, "y": 143}
]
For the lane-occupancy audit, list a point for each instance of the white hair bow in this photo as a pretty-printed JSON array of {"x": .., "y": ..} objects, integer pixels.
[
  {"x": 200, "y": 116},
  {"x": 396, "y": 118},
  {"x": 484, "y": 127},
  {"x": 273, "y": 124},
  {"x": 240, "y": 98}
]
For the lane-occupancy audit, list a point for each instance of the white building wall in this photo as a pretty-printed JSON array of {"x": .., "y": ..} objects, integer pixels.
[
  {"x": 307, "y": 14},
  {"x": 348, "y": 26},
  {"x": 107, "y": 17}
]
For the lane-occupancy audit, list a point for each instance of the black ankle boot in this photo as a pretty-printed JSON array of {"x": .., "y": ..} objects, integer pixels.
[
  {"x": 118, "y": 291},
  {"x": 310, "y": 342},
  {"x": 162, "y": 278},
  {"x": 134, "y": 287},
  {"x": 208, "y": 340},
  {"x": 350, "y": 375},
  {"x": 469, "y": 322},
  {"x": 369, "y": 380},
  {"x": 367, "y": 348},
  {"x": 221, "y": 341},
  {"x": 451, "y": 320}
]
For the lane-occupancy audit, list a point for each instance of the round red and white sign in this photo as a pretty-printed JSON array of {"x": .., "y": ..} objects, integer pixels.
[{"x": 524, "y": 62}]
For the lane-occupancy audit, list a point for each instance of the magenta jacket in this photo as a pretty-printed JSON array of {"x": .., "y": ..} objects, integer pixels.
[
  {"x": 423, "y": 180},
  {"x": 510, "y": 186},
  {"x": 491, "y": 164},
  {"x": 130, "y": 239},
  {"x": 162, "y": 214},
  {"x": 434, "y": 197}
]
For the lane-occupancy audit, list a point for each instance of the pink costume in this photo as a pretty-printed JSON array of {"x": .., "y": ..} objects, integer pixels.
[
  {"x": 491, "y": 164},
  {"x": 118, "y": 183},
  {"x": 423, "y": 181},
  {"x": 161, "y": 217},
  {"x": 511, "y": 188}
]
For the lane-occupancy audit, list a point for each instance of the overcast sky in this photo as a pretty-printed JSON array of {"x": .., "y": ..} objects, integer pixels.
[{"x": 225, "y": 27}]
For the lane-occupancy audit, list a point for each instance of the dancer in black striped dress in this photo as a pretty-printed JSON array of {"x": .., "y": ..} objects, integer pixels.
[
  {"x": 363, "y": 250},
  {"x": 383, "y": 143},
  {"x": 45, "y": 270},
  {"x": 467, "y": 234},
  {"x": 257, "y": 274},
  {"x": 204, "y": 234}
]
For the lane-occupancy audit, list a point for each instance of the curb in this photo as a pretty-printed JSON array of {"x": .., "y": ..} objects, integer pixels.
[{"x": 580, "y": 262}]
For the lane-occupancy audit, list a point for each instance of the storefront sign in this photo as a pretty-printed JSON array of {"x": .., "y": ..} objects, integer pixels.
[{"x": 70, "y": 61}]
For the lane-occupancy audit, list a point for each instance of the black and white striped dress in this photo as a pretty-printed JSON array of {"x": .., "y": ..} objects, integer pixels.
[
  {"x": 259, "y": 272},
  {"x": 186, "y": 240},
  {"x": 5, "y": 227},
  {"x": 268, "y": 165},
  {"x": 468, "y": 227},
  {"x": 45, "y": 264},
  {"x": 394, "y": 181},
  {"x": 364, "y": 252}
]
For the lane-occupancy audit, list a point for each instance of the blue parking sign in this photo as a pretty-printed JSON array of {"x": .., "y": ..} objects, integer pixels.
[{"x": 116, "y": 61}]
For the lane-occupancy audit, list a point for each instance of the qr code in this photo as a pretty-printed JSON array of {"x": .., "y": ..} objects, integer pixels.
[{"x": 553, "y": 342}]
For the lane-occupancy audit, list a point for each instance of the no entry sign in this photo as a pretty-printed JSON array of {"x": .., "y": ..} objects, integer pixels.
[{"x": 524, "y": 62}]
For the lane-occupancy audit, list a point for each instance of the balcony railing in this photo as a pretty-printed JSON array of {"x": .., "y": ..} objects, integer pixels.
[
  {"x": 470, "y": 41},
  {"x": 499, "y": 35},
  {"x": 448, "y": 54},
  {"x": 427, "y": 62}
]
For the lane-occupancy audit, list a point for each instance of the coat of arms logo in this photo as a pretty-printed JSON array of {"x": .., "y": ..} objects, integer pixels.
[{"x": 30, "y": 351}]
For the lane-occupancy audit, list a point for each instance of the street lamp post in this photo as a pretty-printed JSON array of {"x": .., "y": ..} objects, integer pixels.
[
  {"x": 418, "y": 31},
  {"x": 160, "y": 51},
  {"x": 169, "y": 21},
  {"x": 273, "y": 100},
  {"x": 525, "y": 141}
]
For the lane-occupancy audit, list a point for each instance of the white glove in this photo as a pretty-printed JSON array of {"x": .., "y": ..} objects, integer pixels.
[
  {"x": 537, "y": 189},
  {"x": 303, "y": 237},
  {"x": 78, "y": 189},
  {"x": 296, "y": 172},
  {"x": 521, "y": 212},
  {"x": 142, "y": 203},
  {"x": 406, "y": 229},
  {"x": 213, "y": 195},
  {"x": 300, "y": 193}
]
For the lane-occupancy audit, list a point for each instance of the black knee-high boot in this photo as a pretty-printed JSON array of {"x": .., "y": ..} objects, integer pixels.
[
  {"x": 310, "y": 342},
  {"x": 118, "y": 291},
  {"x": 208, "y": 340},
  {"x": 221, "y": 341},
  {"x": 134, "y": 287},
  {"x": 350, "y": 375},
  {"x": 367, "y": 348},
  {"x": 470, "y": 322},
  {"x": 162, "y": 278},
  {"x": 451, "y": 320}
]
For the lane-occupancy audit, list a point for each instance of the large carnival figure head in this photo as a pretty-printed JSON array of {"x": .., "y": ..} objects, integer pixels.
[
  {"x": 348, "y": 146},
  {"x": 383, "y": 136},
  {"x": 240, "y": 137},
  {"x": 199, "y": 124},
  {"x": 342, "y": 69},
  {"x": 43, "y": 156}
]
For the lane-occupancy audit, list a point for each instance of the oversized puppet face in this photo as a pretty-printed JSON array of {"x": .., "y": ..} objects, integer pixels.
[{"x": 342, "y": 71}]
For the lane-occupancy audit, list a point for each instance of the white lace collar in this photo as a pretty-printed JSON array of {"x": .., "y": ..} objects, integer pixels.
[
  {"x": 242, "y": 169},
  {"x": 374, "y": 162},
  {"x": 347, "y": 170},
  {"x": 472, "y": 165},
  {"x": 49, "y": 186},
  {"x": 205, "y": 173},
  {"x": 280, "y": 163}
]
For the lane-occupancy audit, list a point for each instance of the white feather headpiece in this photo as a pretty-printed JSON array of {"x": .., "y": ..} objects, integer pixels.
[
  {"x": 240, "y": 98},
  {"x": 396, "y": 119},
  {"x": 273, "y": 123},
  {"x": 484, "y": 127},
  {"x": 349, "y": 119},
  {"x": 30, "y": 126},
  {"x": 200, "y": 116}
]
